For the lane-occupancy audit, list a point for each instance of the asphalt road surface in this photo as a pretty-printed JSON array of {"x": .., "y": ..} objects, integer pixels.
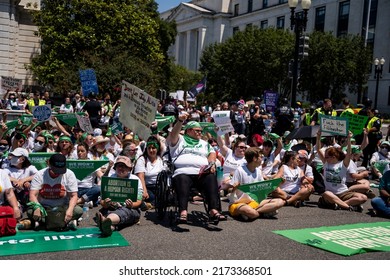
[{"x": 153, "y": 239}]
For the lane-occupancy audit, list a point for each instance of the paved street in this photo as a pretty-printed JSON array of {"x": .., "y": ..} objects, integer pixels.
[{"x": 153, "y": 240}]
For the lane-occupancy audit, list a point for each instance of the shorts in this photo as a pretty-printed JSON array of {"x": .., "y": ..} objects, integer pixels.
[
  {"x": 235, "y": 206},
  {"x": 322, "y": 203},
  {"x": 127, "y": 216}
]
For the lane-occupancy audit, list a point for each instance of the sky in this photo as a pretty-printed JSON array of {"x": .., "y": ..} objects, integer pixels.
[{"x": 164, "y": 5}]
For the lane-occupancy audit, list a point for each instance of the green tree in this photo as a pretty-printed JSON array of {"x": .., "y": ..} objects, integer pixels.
[{"x": 120, "y": 39}]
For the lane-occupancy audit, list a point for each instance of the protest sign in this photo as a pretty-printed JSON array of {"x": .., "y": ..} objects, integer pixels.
[
  {"x": 83, "y": 168},
  {"x": 116, "y": 128},
  {"x": 334, "y": 125},
  {"x": 39, "y": 159},
  {"x": 140, "y": 109},
  {"x": 42, "y": 113},
  {"x": 119, "y": 189},
  {"x": 259, "y": 190},
  {"x": 9, "y": 83},
  {"x": 88, "y": 82},
  {"x": 84, "y": 123},
  {"x": 271, "y": 100},
  {"x": 223, "y": 122},
  {"x": 356, "y": 122}
]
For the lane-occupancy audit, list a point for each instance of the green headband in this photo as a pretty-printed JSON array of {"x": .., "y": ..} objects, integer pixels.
[
  {"x": 83, "y": 136},
  {"x": 193, "y": 124},
  {"x": 155, "y": 144},
  {"x": 65, "y": 138}
]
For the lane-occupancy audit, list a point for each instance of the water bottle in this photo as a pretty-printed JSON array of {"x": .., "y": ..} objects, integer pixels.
[{"x": 86, "y": 210}]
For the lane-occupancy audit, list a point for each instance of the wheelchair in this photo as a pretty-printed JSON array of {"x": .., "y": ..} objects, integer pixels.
[{"x": 166, "y": 198}]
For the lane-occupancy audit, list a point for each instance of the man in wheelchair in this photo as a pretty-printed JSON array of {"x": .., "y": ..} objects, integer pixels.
[{"x": 194, "y": 161}]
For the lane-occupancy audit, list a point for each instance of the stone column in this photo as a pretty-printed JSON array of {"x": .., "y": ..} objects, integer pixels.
[{"x": 201, "y": 41}]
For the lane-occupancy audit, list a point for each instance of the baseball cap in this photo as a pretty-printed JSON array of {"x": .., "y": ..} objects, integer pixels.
[
  {"x": 58, "y": 163},
  {"x": 303, "y": 154},
  {"x": 19, "y": 152},
  {"x": 97, "y": 132},
  {"x": 123, "y": 159}
]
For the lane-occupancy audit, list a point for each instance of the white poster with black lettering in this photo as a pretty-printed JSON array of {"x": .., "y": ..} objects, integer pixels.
[
  {"x": 223, "y": 122},
  {"x": 140, "y": 109}
]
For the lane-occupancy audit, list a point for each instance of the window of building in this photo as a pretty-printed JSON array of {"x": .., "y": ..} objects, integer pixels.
[
  {"x": 372, "y": 24},
  {"x": 264, "y": 24},
  {"x": 250, "y": 6},
  {"x": 283, "y": 1},
  {"x": 265, "y": 4},
  {"x": 319, "y": 24},
  {"x": 235, "y": 29},
  {"x": 280, "y": 22},
  {"x": 236, "y": 9},
  {"x": 342, "y": 28},
  {"x": 249, "y": 25},
  {"x": 388, "y": 99}
]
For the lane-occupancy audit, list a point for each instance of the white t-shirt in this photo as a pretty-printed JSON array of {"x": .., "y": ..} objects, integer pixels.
[
  {"x": 269, "y": 169},
  {"x": 17, "y": 173},
  {"x": 151, "y": 170},
  {"x": 244, "y": 176},
  {"x": 53, "y": 191},
  {"x": 334, "y": 177},
  {"x": 292, "y": 178},
  {"x": 65, "y": 110},
  {"x": 5, "y": 184},
  {"x": 231, "y": 163},
  {"x": 188, "y": 159}
]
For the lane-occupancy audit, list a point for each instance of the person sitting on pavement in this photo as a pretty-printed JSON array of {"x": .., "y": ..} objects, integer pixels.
[
  {"x": 381, "y": 204},
  {"x": 113, "y": 215},
  {"x": 296, "y": 187},
  {"x": 7, "y": 195},
  {"x": 336, "y": 163},
  {"x": 380, "y": 159},
  {"x": 190, "y": 155},
  {"x": 269, "y": 165},
  {"x": 51, "y": 187},
  {"x": 240, "y": 203}
]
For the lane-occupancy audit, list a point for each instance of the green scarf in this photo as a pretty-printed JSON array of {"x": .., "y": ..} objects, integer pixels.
[
  {"x": 190, "y": 142},
  {"x": 67, "y": 106},
  {"x": 35, "y": 205}
]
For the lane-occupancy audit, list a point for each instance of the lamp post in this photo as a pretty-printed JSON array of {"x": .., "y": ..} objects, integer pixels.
[
  {"x": 378, "y": 74},
  {"x": 298, "y": 24}
]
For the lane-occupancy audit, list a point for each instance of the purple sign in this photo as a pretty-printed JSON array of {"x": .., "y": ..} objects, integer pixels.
[{"x": 270, "y": 100}]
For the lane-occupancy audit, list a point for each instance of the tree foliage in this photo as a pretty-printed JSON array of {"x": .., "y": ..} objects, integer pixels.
[
  {"x": 255, "y": 60},
  {"x": 120, "y": 39}
]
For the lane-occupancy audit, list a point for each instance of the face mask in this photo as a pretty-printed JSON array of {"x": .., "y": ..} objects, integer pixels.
[
  {"x": 38, "y": 147},
  {"x": 384, "y": 151},
  {"x": 3, "y": 148},
  {"x": 100, "y": 150},
  {"x": 14, "y": 161},
  {"x": 216, "y": 148}
]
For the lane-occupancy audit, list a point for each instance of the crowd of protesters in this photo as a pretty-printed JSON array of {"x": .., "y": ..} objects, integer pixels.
[{"x": 338, "y": 168}]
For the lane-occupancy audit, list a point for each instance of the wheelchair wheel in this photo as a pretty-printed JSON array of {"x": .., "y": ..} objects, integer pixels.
[{"x": 162, "y": 194}]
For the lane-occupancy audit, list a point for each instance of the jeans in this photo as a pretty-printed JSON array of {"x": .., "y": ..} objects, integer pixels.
[
  {"x": 89, "y": 194},
  {"x": 380, "y": 205}
]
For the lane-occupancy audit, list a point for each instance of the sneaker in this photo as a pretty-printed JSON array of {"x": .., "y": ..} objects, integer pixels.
[
  {"x": 25, "y": 224},
  {"x": 149, "y": 206},
  {"x": 90, "y": 204},
  {"x": 370, "y": 194},
  {"x": 72, "y": 225},
  {"x": 356, "y": 208},
  {"x": 269, "y": 215},
  {"x": 245, "y": 218},
  {"x": 106, "y": 228},
  {"x": 336, "y": 207}
]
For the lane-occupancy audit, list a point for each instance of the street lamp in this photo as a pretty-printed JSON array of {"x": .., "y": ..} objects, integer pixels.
[
  {"x": 298, "y": 24},
  {"x": 378, "y": 74}
]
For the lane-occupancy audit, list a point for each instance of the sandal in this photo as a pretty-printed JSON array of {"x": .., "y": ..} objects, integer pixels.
[
  {"x": 182, "y": 219},
  {"x": 217, "y": 217},
  {"x": 106, "y": 228}
]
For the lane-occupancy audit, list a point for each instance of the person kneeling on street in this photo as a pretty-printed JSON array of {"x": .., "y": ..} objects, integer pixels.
[{"x": 114, "y": 215}]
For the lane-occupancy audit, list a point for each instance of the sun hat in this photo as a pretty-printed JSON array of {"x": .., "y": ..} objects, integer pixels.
[
  {"x": 123, "y": 159},
  {"x": 58, "y": 163},
  {"x": 100, "y": 139}
]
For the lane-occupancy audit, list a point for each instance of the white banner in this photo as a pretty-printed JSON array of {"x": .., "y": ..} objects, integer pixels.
[
  {"x": 139, "y": 110},
  {"x": 223, "y": 122},
  {"x": 9, "y": 83}
]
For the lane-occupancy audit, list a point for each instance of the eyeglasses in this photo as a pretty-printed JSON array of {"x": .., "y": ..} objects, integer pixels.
[
  {"x": 131, "y": 150},
  {"x": 241, "y": 147},
  {"x": 40, "y": 142},
  {"x": 197, "y": 130}
]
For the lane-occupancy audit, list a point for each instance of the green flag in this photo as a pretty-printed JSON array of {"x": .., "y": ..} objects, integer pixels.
[
  {"x": 259, "y": 190},
  {"x": 82, "y": 168},
  {"x": 119, "y": 189},
  {"x": 69, "y": 119},
  {"x": 208, "y": 128},
  {"x": 162, "y": 122},
  {"x": 116, "y": 128},
  {"x": 39, "y": 159}
]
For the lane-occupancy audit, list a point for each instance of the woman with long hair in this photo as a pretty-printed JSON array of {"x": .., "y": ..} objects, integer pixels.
[
  {"x": 65, "y": 147},
  {"x": 296, "y": 187}
]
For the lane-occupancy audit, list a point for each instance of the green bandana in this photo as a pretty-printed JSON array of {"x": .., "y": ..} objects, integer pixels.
[
  {"x": 155, "y": 144},
  {"x": 83, "y": 137},
  {"x": 192, "y": 124},
  {"x": 65, "y": 138},
  {"x": 67, "y": 106},
  {"x": 190, "y": 142}
]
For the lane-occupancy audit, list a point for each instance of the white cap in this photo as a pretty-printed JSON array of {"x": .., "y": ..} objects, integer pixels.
[{"x": 97, "y": 132}]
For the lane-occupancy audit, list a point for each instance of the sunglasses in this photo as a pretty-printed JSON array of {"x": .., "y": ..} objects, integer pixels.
[
  {"x": 40, "y": 142},
  {"x": 197, "y": 130},
  {"x": 241, "y": 147}
]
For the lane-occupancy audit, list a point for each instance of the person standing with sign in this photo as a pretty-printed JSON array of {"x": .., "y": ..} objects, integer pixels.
[
  {"x": 114, "y": 215},
  {"x": 240, "y": 203}
]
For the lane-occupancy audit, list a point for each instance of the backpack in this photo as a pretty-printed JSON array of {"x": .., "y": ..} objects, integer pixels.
[{"x": 7, "y": 221}]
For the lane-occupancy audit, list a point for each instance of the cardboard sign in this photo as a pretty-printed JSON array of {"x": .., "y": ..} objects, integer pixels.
[
  {"x": 119, "y": 189},
  {"x": 42, "y": 113},
  {"x": 223, "y": 122},
  {"x": 85, "y": 123},
  {"x": 140, "y": 110},
  {"x": 334, "y": 125},
  {"x": 9, "y": 83},
  {"x": 356, "y": 122}
]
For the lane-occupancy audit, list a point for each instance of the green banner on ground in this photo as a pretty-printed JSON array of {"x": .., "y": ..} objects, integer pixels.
[
  {"x": 39, "y": 159},
  {"x": 82, "y": 168},
  {"x": 346, "y": 240},
  {"x": 119, "y": 189},
  {"x": 32, "y": 242},
  {"x": 259, "y": 190},
  {"x": 162, "y": 122},
  {"x": 356, "y": 122}
]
